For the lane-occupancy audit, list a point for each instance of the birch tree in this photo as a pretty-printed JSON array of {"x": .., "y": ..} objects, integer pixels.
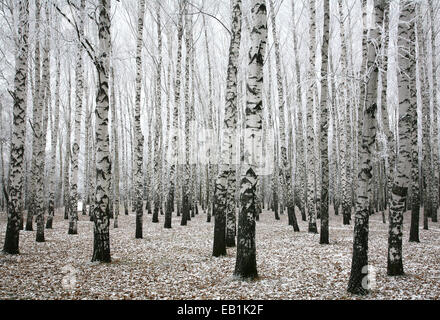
[
  {"x": 246, "y": 264},
  {"x": 67, "y": 149},
  {"x": 54, "y": 140},
  {"x": 100, "y": 57},
  {"x": 324, "y": 127},
  {"x": 16, "y": 163},
  {"x": 436, "y": 103},
  {"x": 79, "y": 83},
  {"x": 415, "y": 191},
  {"x": 406, "y": 86},
  {"x": 225, "y": 186},
  {"x": 285, "y": 170},
  {"x": 174, "y": 138},
  {"x": 311, "y": 94},
  {"x": 158, "y": 141},
  {"x": 186, "y": 187},
  {"x": 101, "y": 248},
  {"x": 115, "y": 151},
  {"x": 139, "y": 139},
  {"x": 36, "y": 118},
  {"x": 359, "y": 266},
  {"x": 301, "y": 160},
  {"x": 40, "y": 131}
]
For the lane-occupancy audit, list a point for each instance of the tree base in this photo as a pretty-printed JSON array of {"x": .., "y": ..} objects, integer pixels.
[
  {"x": 246, "y": 276},
  {"x": 105, "y": 258},
  {"x": 230, "y": 243},
  {"x": 11, "y": 243},
  {"x": 395, "y": 270},
  {"x": 219, "y": 253},
  {"x": 358, "y": 290},
  {"x": 313, "y": 228}
]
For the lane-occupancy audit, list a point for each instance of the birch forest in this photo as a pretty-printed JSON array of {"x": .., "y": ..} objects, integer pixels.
[{"x": 219, "y": 149}]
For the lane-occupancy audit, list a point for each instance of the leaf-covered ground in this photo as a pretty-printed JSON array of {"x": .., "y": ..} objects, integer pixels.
[{"x": 177, "y": 263}]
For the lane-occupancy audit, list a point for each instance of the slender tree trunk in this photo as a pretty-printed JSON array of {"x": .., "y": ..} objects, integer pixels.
[
  {"x": 115, "y": 137},
  {"x": 16, "y": 163},
  {"x": 101, "y": 248},
  {"x": 407, "y": 102},
  {"x": 246, "y": 264},
  {"x": 169, "y": 208},
  {"x": 311, "y": 94},
  {"x": 40, "y": 130},
  {"x": 301, "y": 174},
  {"x": 324, "y": 128},
  {"x": 158, "y": 124},
  {"x": 79, "y": 79},
  {"x": 36, "y": 118},
  {"x": 67, "y": 152},
  {"x": 357, "y": 283},
  {"x": 186, "y": 187},
  {"x": 139, "y": 139},
  {"x": 436, "y": 103},
  {"x": 88, "y": 155},
  {"x": 174, "y": 138},
  {"x": 224, "y": 223},
  {"x": 54, "y": 140},
  {"x": 415, "y": 192},
  {"x": 427, "y": 164}
]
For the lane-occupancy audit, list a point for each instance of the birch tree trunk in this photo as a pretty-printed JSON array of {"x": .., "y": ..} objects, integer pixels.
[
  {"x": 36, "y": 118},
  {"x": 225, "y": 184},
  {"x": 344, "y": 120},
  {"x": 427, "y": 164},
  {"x": 40, "y": 131},
  {"x": 311, "y": 94},
  {"x": 324, "y": 127},
  {"x": 92, "y": 166},
  {"x": 391, "y": 143},
  {"x": 436, "y": 103},
  {"x": 67, "y": 151},
  {"x": 246, "y": 264},
  {"x": 158, "y": 143},
  {"x": 54, "y": 137},
  {"x": 168, "y": 213},
  {"x": 16, "y": 163},
  {"x": 415, "y": 191},
  {"x": 101, "y": 248},
  {"x": 209, "y": 166},
  {"x": 407, "y": 102},
  {"x": 88, "y": 154},
  {"x": 139, "y": 139},
  {"x": 285, "y": 170},
  {"x": 301, "y": 174},
  {"x": 115, "y": 152},
  {"x": 79, "y": 79},
  {"x": 186, "y": 187},
  {"x": 357, "y": 283},
  {"x": 174, "y": 147}
]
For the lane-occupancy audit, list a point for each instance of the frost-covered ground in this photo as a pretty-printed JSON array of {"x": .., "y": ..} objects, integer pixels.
[{"x": 177, "y": 263}]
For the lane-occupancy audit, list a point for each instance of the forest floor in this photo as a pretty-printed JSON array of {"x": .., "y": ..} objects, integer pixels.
[{"x": 177, "y": 263}]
